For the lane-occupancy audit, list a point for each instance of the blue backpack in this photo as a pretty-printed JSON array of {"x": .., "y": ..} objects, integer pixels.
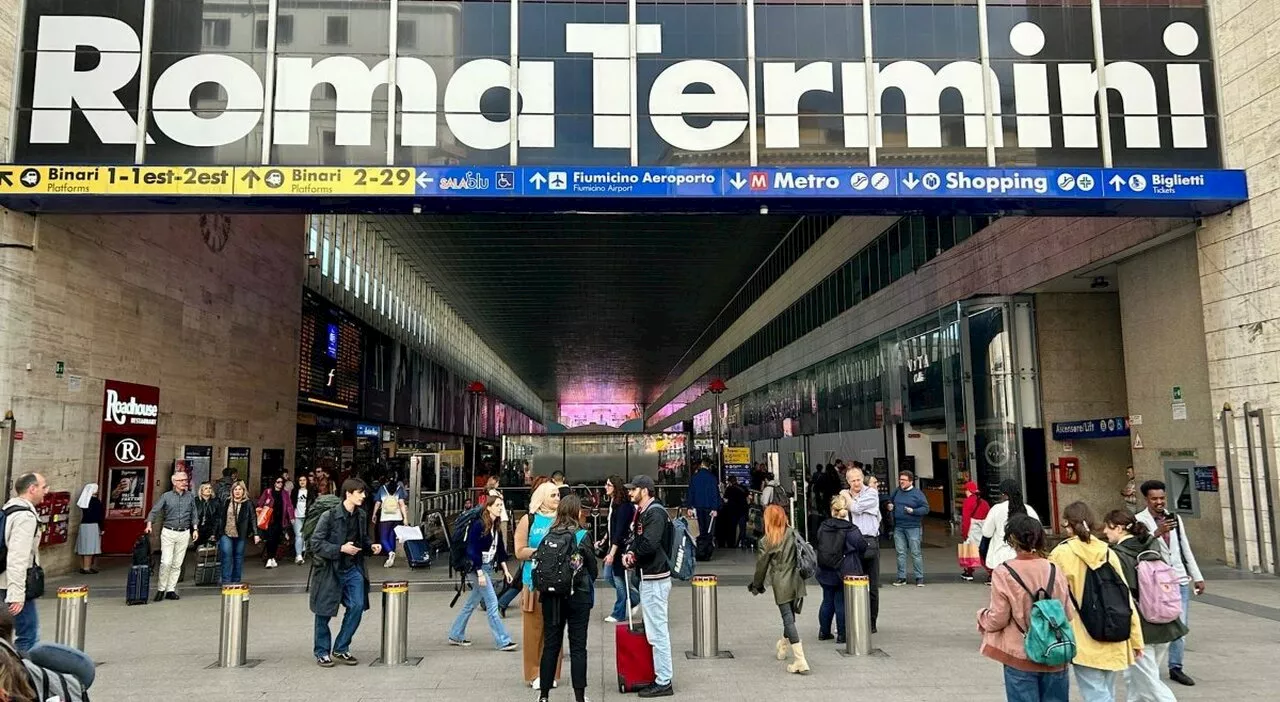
[{"x": 680, "y": 555}]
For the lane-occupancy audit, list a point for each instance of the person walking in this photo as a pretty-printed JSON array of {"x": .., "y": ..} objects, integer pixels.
[
  {"x": 1175, "y": 547},
  {"x": 646, "y": 553},
  {"x": 177, "y": 509},
  {"x": 1004, "y": 621},
  {"x": 533, "y": 527},
  {"x": 570, "y": 611},
  {"x": 777, "y": 562},
  {"x": 208, "y": 511},
  {"x": 865, "y": 513},
  {"x": 621, "y": 513},
  {"x": 1096, "y": 662},
  {"x": 339, "y": 546},
  {"x": 1133, "y": 543},
  {"x": 276, "y": 499},
  {"x": 301, "y": 497},
  {"x": 972, "y": 512},
  {"x": 998, "y": 550},
  {"x": 840, "y": 546},
  {"x": 704, "y": 496},
  {"x": 390, "y": 506},
  {"x": 22, "y": 541},
  {"x": 236, "y": 524},
  {"x": 89, "y": 538},
  {"x": 909, "y": 506},
  {"x": 486, "y": 552}
]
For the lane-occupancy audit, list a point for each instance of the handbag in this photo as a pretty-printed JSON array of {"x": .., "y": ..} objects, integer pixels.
[
  {"x": 35, "y": 582},
  {"x": 967, "y": 556},
  {"x": 264, "y": 517}
]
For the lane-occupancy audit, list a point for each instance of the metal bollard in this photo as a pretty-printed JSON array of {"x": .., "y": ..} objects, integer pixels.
[
  {"x": 73, "y": 605},
  {"x": 395, "y": 625},
  {"x": 706, "y": 619},
  {"x": 233, "y": 638},
  {"x": 857, "y": 615}
]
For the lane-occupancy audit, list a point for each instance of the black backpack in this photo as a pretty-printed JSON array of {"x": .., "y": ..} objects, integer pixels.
[
  {"x": 142, "y": 551},
  {"x": 459, "y": 561},
  {"x": 557, "y": 563},
  {"x": 780, "y": 496},
  {"x": 1104, "y": 605},
  {"x": 830, "y": 546}
]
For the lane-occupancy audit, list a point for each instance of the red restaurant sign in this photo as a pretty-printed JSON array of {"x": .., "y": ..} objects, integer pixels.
[{"x": 129, "y": 420}]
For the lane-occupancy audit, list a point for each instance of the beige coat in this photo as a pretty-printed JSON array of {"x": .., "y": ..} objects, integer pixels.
[{"x": 22, "y": 534}]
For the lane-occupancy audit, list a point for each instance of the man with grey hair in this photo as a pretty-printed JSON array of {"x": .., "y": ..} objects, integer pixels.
[
  {"x": 22, "y": 544},
  {"x": 178, "y": 507}
]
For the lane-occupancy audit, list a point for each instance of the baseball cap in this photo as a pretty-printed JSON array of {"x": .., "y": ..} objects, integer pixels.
[{"x": 640, "y": 481}]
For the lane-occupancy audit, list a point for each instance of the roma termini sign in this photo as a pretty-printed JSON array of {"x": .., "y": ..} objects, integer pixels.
[{"x": 215, "y": 90}]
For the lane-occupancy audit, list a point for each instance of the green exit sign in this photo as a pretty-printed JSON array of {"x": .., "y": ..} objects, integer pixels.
[
  {"x": 1177, "y": 393},
  {"x": 59, "y": 368}
]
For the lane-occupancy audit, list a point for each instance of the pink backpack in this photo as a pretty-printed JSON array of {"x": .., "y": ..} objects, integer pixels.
[{"x": 1159, "y": 591}]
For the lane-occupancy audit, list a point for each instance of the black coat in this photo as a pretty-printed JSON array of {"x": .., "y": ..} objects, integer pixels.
[
  {"x": 326, "y": 553},
  {"x": 855, "y": 546},
  {"x": 246, "y": 520}
]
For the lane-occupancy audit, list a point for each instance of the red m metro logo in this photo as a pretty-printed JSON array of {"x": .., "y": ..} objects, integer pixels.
[{"x": 759, "y": 181}]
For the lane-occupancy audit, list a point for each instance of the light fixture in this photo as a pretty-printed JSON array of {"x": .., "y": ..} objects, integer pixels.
[
  {"x": 1100, "y": 283},
  {"x": 417, "y": 209},
  {"x": 764, "y": 209}
]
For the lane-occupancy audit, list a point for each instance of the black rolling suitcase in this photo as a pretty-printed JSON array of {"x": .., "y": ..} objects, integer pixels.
[
  {"x": 208, "y": 568},
  {"x": 705, "y": 545}
]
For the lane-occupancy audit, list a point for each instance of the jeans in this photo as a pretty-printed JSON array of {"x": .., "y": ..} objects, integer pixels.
[
  {"x": 1096, "y": 685},
  {"x": 789, "y": 631},
  {"x": 26, "y": 626},
  {"x": 298, "y": 544},
  {"x": 1142, "y": 681},
  {"x": 909, "y": 538},
  {"x": 512, "y": 592},
  {"x": 653, "y": 598},
  {"x": 64, "y": 659},
  {"x": 481, "y": 592},
  {"x": 387, "y": 536},
  {"x": 617, "y": 577},
  {"x": 351, "y": 581},
  {"x": 1177, "y": 648},
  {"x": 1021, "y": 686},
  {"x": 577, "y": 617},
  {"x": 173, "y": 549},
  {"x": 231, "y": 553},
  {"x": 832, "y": 606}
]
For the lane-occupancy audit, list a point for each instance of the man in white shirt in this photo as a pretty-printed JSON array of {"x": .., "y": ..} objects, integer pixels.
[{"x": 1171, "y": 534}]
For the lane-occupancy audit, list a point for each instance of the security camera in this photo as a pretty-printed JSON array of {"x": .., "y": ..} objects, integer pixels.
[
  {"x": 417, "y": 209},
  {"x": 764, "y": 209}
]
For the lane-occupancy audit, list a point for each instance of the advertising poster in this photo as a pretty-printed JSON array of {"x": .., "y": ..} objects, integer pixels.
[
  {"x": 199, "y": 460},
  {"x": 128, "y": 493}
]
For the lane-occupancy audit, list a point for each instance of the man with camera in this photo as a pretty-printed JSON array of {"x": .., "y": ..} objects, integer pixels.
[{"x": 1171, "y": 534}]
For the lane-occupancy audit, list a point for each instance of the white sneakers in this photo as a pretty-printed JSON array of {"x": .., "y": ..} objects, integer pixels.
[
  {"x": 271, "y": 563},
  {"x": 391, "y": 560},
  {"x": 298, "y": 560},
  {"x": 537, "y": 683},
  {"x": 611, "y": 619}
]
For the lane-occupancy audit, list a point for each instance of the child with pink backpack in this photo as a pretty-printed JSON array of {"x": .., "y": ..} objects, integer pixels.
[{"x": 1157, "y": 594}]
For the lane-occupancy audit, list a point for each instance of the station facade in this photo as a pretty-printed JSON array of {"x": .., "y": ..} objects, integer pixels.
[{"x": 998, "y": 251}]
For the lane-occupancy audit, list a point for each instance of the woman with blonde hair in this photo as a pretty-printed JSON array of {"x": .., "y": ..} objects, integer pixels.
[
  {"x": 840, "y": 545},
  {"x": 236, "y": 523},
  {"x": 533, "y": 527},
  {"x": 777, "y": 562}
]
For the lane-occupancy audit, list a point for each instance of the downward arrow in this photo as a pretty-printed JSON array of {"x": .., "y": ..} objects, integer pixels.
[
  {"x": 424, "y": 179},
  {"x": 1117, "y": 182},
  {"x": 738, "y": 181},
  {"x": 911, "y": 181}
]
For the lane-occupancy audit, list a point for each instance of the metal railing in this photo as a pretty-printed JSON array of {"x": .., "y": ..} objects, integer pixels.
[{"x": 1259, "y": 476}]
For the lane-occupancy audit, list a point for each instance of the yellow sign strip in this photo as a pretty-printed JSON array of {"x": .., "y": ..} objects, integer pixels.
[
  {"x": 261, "y": 181},
  {"x": 320, "y": 180}
]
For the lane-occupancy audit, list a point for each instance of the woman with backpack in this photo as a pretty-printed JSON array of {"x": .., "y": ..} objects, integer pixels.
[
  {"x": 571, "y": 609},
  {"x": 1006, "y": 623},
  {"x": 972, "y": 513},
  {"x": 1134, "y": 544},
  {"x": 1108, "y": 632},
  {"x": 778, "y": 561},
  {"x": 840, "y": 545},
  {"x": 992, "y": 547},
  {"x": 486, "y": 552},
  {"x": 532, "y": 529}
]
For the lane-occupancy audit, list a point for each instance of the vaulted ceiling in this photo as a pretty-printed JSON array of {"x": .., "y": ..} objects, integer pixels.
[{"x": 588, "y": 308}]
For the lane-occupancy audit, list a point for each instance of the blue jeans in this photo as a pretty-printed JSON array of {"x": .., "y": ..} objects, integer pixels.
[
  {"x": 653, "y": 597},
  {"x": 1177, "y": 647},
  {"x": 64, "y": 659},
  {"x": 832, "y": 606},
  {"x": 231, "y": 553},
  {"x": 617, "y": 577},
  {"x": 512, "y": 592},
  {"x": 26, "y": 627},
  {"x": 351, "y": 581},
  {"x": 1096, "y": 685},
  {"x": 478, "y": 592},
  {"x": 1021, "y": 686},
  {"x": 909, "y": 538}
]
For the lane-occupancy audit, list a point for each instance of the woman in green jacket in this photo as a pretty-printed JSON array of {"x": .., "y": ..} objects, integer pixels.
[
  {"x": 1132, "y": 542},
  {"x": 777, "y": 562}
]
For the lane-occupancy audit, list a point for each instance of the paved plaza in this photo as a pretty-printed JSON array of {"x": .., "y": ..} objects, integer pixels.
[{"x": 161, "y": 651}]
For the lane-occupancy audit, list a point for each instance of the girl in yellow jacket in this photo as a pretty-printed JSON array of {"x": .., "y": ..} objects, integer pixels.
[{"x": 1096, "y": 662}]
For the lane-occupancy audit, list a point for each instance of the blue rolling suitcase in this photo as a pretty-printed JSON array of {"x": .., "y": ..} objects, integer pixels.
[
  {"x": 417, "y": 553},
  {"x": 138, "y": 590}
]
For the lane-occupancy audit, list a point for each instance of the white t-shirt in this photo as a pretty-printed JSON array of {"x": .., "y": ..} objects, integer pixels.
[
  {"x": 993, "y": 528},
  {"x": 300, "y": 509}
]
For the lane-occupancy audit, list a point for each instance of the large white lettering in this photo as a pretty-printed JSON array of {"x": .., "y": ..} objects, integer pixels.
[
  {"x": 59, "y": 86},
  {"x": 611, "y": 75},
  {"x": 669, "y": 104}
]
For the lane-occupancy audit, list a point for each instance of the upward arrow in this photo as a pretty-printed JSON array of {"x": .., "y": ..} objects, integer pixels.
[
  {"x": 538, "y": 181},
  {"x": 251, "y": 178},
  {"x": 1117, "y": 182}
]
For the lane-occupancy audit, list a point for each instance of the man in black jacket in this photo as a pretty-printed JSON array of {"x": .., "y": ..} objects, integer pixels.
[
  {"x": 647, "y": 553},
  {"x": 338, "y": 547}
]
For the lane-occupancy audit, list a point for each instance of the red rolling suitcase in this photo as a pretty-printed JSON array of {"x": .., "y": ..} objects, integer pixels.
[{"x": 635, "y": 655}]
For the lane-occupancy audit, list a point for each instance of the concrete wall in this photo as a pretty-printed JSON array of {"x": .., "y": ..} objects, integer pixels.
[
  {"x": 207, "y": 308},
  {"x": 1239, "y": 252},
  {"x": 1082, "y": 376},
  {"x": 1160, "y": 310}
]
